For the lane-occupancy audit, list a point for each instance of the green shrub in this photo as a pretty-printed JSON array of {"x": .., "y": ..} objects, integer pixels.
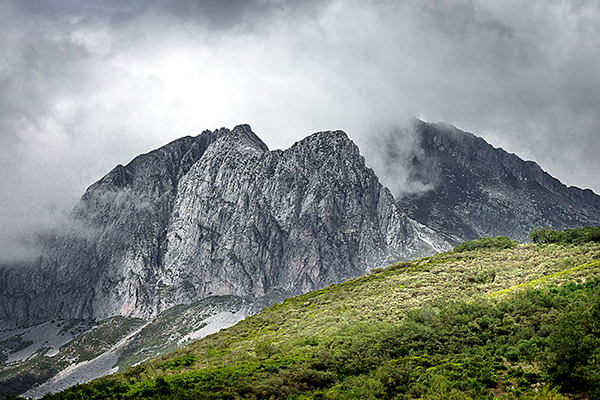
[
  {"x": 180, "y": 362},
  {"x": 567, "y": 236}
]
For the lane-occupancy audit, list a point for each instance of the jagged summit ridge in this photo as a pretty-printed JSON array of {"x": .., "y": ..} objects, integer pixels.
[
  {"x": 284, "y": 221},
  {"x": 221, "y": 214},
  {"x": 242, "y": 137},
  {"x": 480, "y": 190},
  {"x": 216, "y": 214}
]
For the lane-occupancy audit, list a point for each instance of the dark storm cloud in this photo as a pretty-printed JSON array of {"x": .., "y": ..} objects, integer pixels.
[
  {"x": 223, "y": 14},
  {"x": 85, "y": 85},
  {"x": 215, "y": 14}
]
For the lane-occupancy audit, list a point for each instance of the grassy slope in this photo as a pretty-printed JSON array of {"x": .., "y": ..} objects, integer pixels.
[{"x": 452, "y": 325}]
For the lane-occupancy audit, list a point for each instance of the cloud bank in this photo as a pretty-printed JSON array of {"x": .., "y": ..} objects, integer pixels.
[{"x": 87, "y": 85}]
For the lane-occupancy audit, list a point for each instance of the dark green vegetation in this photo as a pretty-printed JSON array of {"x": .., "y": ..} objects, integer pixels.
[
  {"x": 567, "y": 236},
  {"x": 520, "y": 322},
  {"x": 497, "y": 243},
  {"x": 96, "y": 341}
]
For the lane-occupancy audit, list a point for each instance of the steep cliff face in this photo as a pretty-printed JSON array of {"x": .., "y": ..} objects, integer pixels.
[
  {"x": 111, "y": 245},
  {"x": 247, "y": 221},
  {"x": 478, "y": 190},
  {"x": 218, "y": 214}
]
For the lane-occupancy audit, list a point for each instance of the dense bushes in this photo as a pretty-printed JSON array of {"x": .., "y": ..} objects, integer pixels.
[
  {"x": 179, "y": 362},
  {"x": 497, "y": 243},
  {"x": 570, "y": 236},
  {"x": 539, "y": 235},
  {"x": 545, "y": 337}
]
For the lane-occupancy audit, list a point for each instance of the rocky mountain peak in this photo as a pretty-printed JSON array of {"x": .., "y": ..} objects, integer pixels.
[
  {"x": 328, "y": 144},
  {"x": 480, "y": 190},
  {"x": 326, "y": 141},
  {"x": 329, "y": 151},
  {"x": 242, "y": 136},
  {"x": 216, "y": 214}
]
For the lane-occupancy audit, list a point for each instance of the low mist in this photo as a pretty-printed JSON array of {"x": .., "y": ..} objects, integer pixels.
[{"x": 394, "y": 152}]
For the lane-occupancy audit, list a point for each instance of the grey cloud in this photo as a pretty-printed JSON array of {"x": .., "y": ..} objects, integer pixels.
[
  {"x": 85, "y": 85},
  {"x": 246, "y": 15},
  {"x": 59, "y": 9},
  {"x": 221, "y": 14},
  {"x": 217, "y": 15},
  {"x": 477, "y": 39}
]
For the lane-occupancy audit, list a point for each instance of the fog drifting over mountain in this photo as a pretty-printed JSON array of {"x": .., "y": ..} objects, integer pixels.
[{"x": 87, "y": 85}]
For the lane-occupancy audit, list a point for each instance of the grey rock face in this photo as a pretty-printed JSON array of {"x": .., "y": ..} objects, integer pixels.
[
  {"x": 479, "y": 190},
  {"x": 217, "y": 214},
  {"x": 247, "y": 221},
  {"x": 112, "y": 243}
]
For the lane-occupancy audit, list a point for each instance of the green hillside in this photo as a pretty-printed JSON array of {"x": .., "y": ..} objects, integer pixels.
[{"x": 489, "y": 319}]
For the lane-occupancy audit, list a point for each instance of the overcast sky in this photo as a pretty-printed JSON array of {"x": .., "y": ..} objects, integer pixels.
[{"x": 85, "y": 85}]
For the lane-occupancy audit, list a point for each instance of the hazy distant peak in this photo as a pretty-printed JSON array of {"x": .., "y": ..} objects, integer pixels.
[
  {"x": 449, "y": 138},
  {"x": 481, "y": 190}
]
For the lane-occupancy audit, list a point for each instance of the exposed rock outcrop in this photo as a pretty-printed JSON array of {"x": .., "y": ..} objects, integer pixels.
[
  {"x": 217, "y": 214},
  {"x": 111, "y": 245}
]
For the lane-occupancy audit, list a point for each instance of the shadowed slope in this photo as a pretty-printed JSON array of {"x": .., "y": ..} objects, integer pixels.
[{"x": 478, "y": 190}]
